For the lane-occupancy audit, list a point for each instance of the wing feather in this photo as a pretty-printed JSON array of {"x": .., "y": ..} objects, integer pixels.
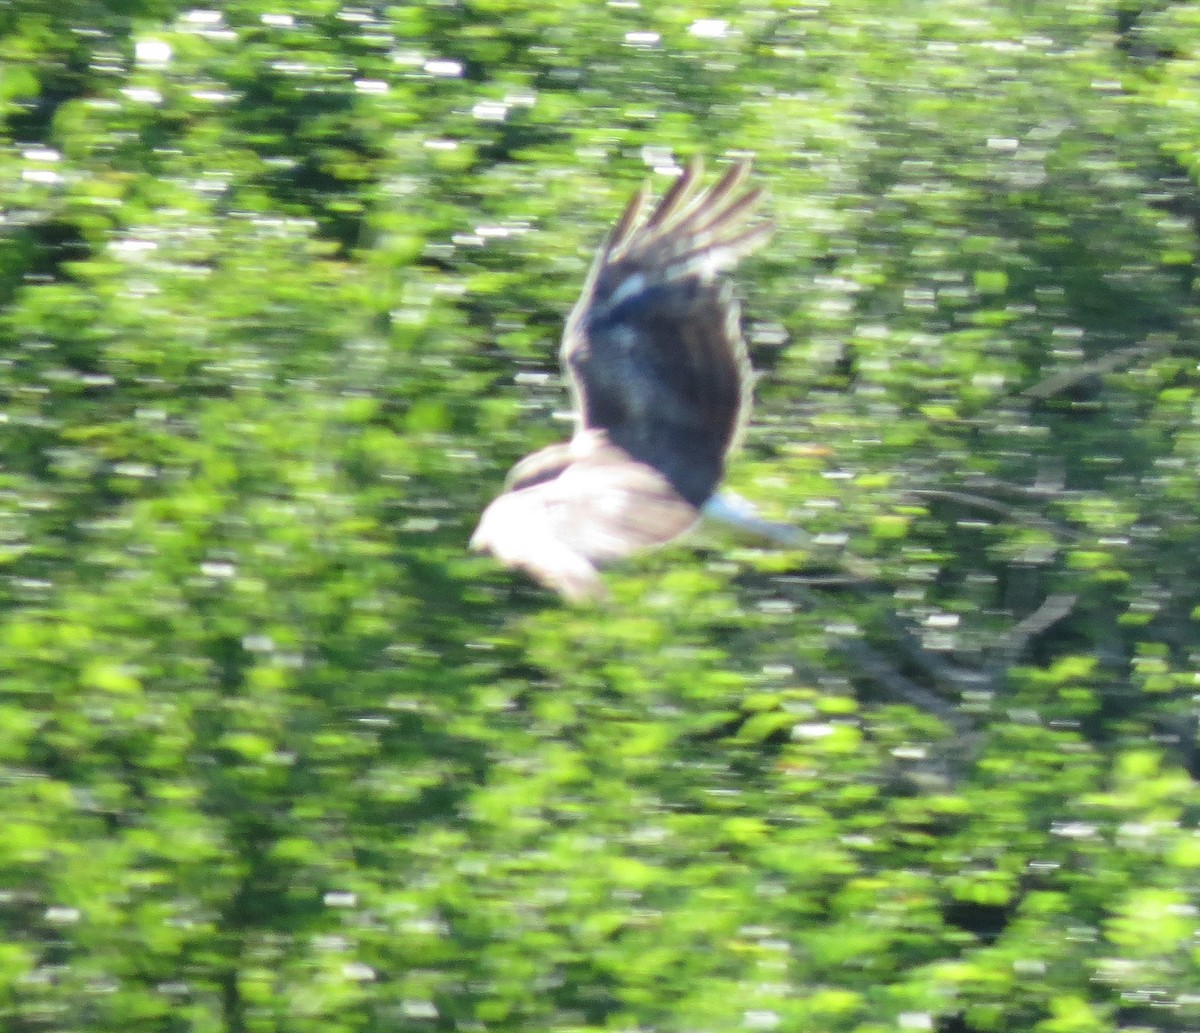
[
  {"x": 654, "y": 347},
  {"x": 682, "y": 195}
]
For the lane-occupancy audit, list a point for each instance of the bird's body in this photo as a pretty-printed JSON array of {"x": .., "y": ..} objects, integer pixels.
[{"x": 661, "y": 383}]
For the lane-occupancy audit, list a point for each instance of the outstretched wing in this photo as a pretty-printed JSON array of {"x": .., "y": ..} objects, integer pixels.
[
  {"x": 654, "y": 347},
  {"x": 571, "y": 509}
]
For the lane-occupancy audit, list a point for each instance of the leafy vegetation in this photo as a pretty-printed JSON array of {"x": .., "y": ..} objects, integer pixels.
[{"x": 281, "y": 288}]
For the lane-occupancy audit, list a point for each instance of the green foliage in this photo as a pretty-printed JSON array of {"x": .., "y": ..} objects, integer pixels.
[{"x": 281, "y": 289}]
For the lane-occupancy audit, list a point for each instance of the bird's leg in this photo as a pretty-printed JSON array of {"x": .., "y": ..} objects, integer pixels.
[{"x": 737, "y": 512}]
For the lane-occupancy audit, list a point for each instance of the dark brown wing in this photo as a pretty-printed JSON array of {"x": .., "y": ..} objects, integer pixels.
[
  {"x": 572, "y": 509},
  {"x": 654, "y": 347}
]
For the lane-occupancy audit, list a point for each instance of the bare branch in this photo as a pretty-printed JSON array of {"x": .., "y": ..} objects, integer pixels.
[
  {"x": 987, "y": 505},
  {"x": 1065, "y": 379},
  {"x": 945, "y": 675},
  {"x": 1053, "y": 609},
  {"x": 873, "y": 665}
]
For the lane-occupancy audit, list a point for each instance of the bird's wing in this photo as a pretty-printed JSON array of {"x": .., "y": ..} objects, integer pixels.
[
  {"x": 654, "y": 347},
  {"x": 572, "y": 516}
]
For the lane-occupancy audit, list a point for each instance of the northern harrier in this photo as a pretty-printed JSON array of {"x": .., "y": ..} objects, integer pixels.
[{"x": 661, "y": 385}]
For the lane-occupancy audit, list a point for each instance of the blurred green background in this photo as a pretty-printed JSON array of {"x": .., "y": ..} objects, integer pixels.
[{"x": 281, "y": 289}]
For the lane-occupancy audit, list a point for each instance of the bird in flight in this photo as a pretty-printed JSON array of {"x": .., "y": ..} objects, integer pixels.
[{"x": 661, "y": 384}]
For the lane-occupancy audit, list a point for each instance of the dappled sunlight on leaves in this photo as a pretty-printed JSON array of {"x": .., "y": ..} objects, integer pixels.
[{"x": 281, "y": 288}]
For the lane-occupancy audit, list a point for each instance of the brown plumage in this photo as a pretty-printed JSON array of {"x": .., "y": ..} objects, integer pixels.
[{"x": 661, "y": 384}]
